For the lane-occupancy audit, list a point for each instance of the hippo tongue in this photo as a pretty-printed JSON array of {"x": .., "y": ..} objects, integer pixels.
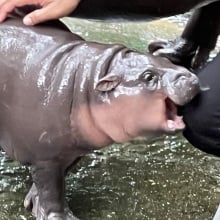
[{"x": 174, "y": 122}]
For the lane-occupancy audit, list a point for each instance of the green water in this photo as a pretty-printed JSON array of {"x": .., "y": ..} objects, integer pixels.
[{"x": 165, "y": 179}]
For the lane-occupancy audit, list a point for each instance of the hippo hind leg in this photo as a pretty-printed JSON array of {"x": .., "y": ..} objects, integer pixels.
[{"x": 46, "y": 196}]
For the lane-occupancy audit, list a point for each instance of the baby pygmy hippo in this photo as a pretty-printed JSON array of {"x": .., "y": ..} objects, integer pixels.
[{"x": 61, "y": 97}]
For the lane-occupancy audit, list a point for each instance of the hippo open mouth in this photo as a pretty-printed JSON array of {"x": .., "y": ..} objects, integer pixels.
[{"x": 174, "y": 121}]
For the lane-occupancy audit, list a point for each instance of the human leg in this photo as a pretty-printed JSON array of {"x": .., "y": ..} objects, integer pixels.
[{"x": 202, "y": 114}]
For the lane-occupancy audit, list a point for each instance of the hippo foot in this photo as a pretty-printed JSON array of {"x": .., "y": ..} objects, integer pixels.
[
  {"x": 32, "y": 204},
  {"x": 178, "y": 51},
  {"x": 31, "y": 200}
]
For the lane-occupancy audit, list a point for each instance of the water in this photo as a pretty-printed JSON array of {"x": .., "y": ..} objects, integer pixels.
[
  {"x": 167, "y": 179},
  {"x": 164, "y": 179}
]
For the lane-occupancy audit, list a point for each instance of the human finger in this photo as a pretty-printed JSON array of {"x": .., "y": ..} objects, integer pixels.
[
  {"x": 7, "y": 6},
  {"x": 53, "y": 10}
]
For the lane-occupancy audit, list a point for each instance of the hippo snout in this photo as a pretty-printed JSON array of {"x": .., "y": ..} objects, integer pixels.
[{"x": 181, "y": 86}]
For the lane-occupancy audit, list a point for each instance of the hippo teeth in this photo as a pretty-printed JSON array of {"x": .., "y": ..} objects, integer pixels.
[
  {"x": 171, "y": 125},
  {"x": 174, "y": 122}
]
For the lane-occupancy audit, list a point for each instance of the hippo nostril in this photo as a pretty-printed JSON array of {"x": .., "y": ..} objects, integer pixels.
[
  {"x": 180, "y": 78},
  {"x": 183, "y": 77},
  {"x": 191, "y": 78}
]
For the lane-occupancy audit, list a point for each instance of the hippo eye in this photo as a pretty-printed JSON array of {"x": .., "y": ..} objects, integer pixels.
[{"x": 147, "y": 76}]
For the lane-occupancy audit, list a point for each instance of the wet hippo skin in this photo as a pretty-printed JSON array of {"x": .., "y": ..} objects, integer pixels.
[
  {"x": 61, "y": 97},
  {"x": 197, "y": 40}
]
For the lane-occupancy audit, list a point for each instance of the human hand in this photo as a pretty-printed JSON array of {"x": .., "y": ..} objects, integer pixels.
[{"x": 49, "y": 9}]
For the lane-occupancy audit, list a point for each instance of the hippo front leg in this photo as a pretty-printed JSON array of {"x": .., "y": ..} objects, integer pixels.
[
  {"x": 198, "y": 39},
  {"x": 46, "y": 196}
]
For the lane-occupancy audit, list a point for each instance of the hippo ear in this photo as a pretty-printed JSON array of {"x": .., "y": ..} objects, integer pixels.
[{"x": 108, "y": 83}]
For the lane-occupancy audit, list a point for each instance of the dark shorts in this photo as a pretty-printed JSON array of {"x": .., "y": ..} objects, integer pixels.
[{"x": 202, "y": 115}]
